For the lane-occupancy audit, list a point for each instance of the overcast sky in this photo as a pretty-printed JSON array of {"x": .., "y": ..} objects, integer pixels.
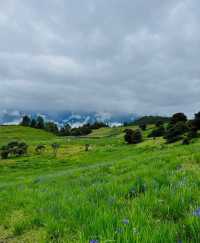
[{"x": 100, "y": 55}]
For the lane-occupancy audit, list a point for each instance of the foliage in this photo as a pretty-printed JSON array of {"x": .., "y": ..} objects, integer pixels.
[
  {"x": 40, "y": 122},
  {"x": 26, "y": 121},
  {"x": 143, "y": 127},
  {"x": 13, "y": 148},
  {"x": 133, "y": 137},
  {"x": 51, "y": 127},
  {"x": 175, "y": 132},
  {"x": 178, "y": 117},
  {"x": 158, "y": 131},
  {"x": 40, "y": 148},
  {"x": 149, "y": 120}
]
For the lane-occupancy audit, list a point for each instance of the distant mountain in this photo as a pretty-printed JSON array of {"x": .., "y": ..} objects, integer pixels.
[{"x": 74, "y": 119}]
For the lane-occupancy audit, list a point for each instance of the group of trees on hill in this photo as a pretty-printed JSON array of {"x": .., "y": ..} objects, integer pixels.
[
  {"x": 65, "y": 130},
  {"x": 178, "y": 127},
  {"x": 148, "y": 120},
  {"x": 13, "y": 148}
]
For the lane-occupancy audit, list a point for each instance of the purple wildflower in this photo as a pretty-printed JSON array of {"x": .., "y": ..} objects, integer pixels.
[
  {"x": 125, "y": 221},
  {"x": 94, "y": 241},
  {"x": 197, "y": 212}
]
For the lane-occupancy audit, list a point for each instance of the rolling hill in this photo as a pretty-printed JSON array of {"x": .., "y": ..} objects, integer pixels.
[{"x": 115, "y": 192}]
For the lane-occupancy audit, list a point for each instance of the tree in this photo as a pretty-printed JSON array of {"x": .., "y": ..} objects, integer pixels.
[
  {"x": 33, "y": 123},
  {"x": 51, "y": 127},
  {"x": 26, "y": 121},
  {"x": 133, "y": 137},
  {"x": 197, "y": 120},
  {"x": 143, "y": 126},
  {"x": 175, "y": 132},
  {"x": 65, "y": 130},
  {"x": 128, "y": 136},
  {"x": 40, "y": 122},
  {"x": 14, "y": 148},
  {"x": 157, "y": 132},
  {"x": 178, "y": 117},
  {"x": 159, "y": 123}
]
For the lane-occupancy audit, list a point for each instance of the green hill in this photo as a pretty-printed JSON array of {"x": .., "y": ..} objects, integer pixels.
[{"x": 116, "y": 192}]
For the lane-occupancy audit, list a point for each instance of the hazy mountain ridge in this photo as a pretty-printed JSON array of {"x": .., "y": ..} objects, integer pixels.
[{"x": 11, "y": 117}]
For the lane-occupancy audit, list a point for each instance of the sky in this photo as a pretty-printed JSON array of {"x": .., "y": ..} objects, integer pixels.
[{"x": 118, "y": 56}]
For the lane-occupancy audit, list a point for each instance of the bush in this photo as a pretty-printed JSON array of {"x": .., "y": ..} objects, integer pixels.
[
  {"x": 186, "y": 141},
  {"x": 143, "y": 127},
  {"x": 157, "y": 132},
  {"x": 175, "y": 132},
  {"x": 133, "y": 137},
  {"x": 13, "y": 148},
  {"x": 40, "y": 148},
  {"x": 178, "y": 117}
]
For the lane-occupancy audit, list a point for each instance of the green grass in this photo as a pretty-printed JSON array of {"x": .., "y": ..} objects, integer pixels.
[{"x": 114, "y": 193}]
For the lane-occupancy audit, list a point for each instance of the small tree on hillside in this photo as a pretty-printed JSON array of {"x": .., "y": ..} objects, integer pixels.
[
  {"x": 26, "y": 121},
  {"x": 178, "y": 117},
  {"x": 143, "y": 126},
  {"x": 133, "y": 137},
  {"x": 196, "y": 122},
  {"x": 175, "y": 132},
  {"x": 33, "y": 123},
  {"x": 40, "y": 122}
]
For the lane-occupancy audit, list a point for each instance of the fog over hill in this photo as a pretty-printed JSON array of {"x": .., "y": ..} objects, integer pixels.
[{"x": 77, "y": 119}]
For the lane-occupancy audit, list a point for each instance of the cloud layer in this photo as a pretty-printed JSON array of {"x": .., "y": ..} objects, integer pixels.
[{"x": 99, "y": 55}]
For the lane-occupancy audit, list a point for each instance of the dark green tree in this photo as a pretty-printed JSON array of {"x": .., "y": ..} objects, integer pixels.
[
  {"x": 26, "y": 121},
  {"x": 51, "y": 127},
  {"x": 40, "y": 122},
  {"x": 174, "y": 133},
  {"x": 143, "y": 126},
  {"x": 33, "y": 123},
  {"x": 178, "y": 117},
  {"x": 133, "y": 137}
]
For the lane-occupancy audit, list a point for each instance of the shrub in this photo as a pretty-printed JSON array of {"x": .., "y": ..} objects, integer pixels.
[
  {"x": 178, "y": 117},
  {"x": 186, "y": 141},
  {"x": 133, "y": 137},
  {"x": 26, "y": 121},
  {"x": 175, "y": 132},
  {"x": 14, "y": 148},
  {"x": 158, "y": 132},
  {"x": 40, "y": 148},
  {"x": 143, "y": 127}
]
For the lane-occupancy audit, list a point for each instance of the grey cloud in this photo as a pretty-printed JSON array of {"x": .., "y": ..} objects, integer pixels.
[{"x": 97, "y": 55}]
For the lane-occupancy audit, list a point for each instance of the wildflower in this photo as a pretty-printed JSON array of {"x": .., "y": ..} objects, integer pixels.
[
  {"x": 197, "y": 212},
  {"x": 125, "y": 221},
  {"x": 94, "y": 241}
]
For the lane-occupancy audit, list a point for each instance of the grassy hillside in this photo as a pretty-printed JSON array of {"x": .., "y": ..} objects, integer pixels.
[{"x": 114, "y": 193}]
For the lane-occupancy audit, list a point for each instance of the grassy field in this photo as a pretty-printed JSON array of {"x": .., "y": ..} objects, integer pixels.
[{"x": 148, "y": 192}]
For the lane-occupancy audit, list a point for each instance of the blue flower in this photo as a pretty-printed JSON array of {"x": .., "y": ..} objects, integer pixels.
[
  {"x": 197, "y": 212},
  {"x": 94, "y": 241},
  {"x": 125, "y": 221}
]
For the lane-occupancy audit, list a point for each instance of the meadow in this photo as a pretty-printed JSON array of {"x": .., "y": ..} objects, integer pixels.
[{"x": 149, "y": 192}]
